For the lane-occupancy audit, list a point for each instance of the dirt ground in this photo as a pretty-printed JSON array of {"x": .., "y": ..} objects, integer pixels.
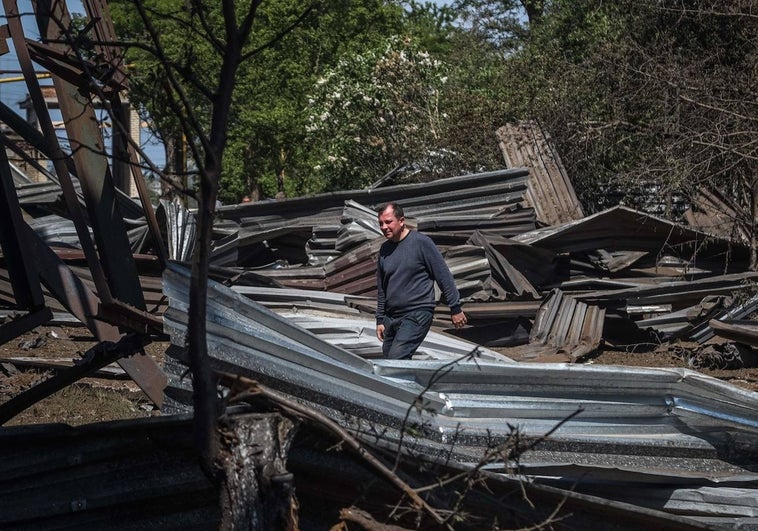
[
  {"x": 36, "y": 356},
  {"x": 111, "y": 395}
]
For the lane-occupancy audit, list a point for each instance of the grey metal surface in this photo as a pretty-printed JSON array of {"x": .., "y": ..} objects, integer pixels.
[
  {"x": 636, "y": 426},
  {"x": 550, "y": 192},
  {"x": 497, "y": 190},
  {"x": 180, "y": 226},
  {"x": 568, "y": 324}
]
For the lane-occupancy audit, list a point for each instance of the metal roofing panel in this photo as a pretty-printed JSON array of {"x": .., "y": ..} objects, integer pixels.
[
  {"x": 681, "y": 396},
  {"x": 414, "y": 197},
  {"x": 625, "y": 229},
  {"x": 635, "y": 427},
  {"x": 550, "y": 190}
]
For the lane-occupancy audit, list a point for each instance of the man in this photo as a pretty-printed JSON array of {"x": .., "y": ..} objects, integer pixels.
[{"x": 409, "y": 265}]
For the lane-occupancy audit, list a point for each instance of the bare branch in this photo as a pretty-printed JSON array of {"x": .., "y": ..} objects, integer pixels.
[
  {"x": 244, "y": 389},
  {"x": 279, "y": 36}
]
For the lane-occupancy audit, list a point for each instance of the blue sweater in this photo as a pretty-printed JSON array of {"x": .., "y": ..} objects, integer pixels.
[{"x": 405, "y": 276}]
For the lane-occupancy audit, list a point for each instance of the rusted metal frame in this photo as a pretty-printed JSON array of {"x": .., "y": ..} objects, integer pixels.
[
  {"x": 82, "y": 303},
  {"x": 102, "y": 26},
  {"x": 150, "y": 217},
  {"x": 129, "y": 317},
  {"x": 120, "y": 132},
  {"x": 95, "y": 358},
  {"x": 70, "y": 291},
  {"x": 23, "y": 155},
  {"x": 4, "y": 35},
  {"x": 142, "y": 191},
  {"x": 88, "y": 153},
  {"x": 56, "y": 62},
  {"x": 33, "y": 136},
  {"x": 54, "y": 151},
  {"x": 22, "y": 273},
  {"x": 105, "y": 33},
  {"x": 26, "y": 288},
  {"x": 72, "y": 69}
]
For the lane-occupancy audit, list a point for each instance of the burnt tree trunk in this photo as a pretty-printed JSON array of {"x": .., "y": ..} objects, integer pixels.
[{"x": 258, "y": 492}]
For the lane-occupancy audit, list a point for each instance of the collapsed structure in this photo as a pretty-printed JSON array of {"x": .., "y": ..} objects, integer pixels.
[{"x": 291, "y": 306}]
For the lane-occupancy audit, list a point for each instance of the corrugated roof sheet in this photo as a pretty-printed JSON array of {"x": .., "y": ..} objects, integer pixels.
[
  {"x": 636, "y": 426},
  {"x": 550, "y": 192}
]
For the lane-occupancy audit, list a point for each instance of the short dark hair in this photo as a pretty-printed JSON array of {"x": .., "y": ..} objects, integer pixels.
[{"x": 396, "y": 209}]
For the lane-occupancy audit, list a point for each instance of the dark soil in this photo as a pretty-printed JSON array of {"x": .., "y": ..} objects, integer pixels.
[{"x": 744, "y": 375}]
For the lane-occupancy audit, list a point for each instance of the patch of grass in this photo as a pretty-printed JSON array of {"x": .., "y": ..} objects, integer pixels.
[{"x": 82, "y": 404}]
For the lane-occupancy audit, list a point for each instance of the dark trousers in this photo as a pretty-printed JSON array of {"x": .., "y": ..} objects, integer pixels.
[{"x": 404, "y": 334}]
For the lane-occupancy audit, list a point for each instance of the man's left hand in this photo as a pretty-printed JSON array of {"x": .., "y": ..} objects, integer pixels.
[{"x": 459, "y": 320}]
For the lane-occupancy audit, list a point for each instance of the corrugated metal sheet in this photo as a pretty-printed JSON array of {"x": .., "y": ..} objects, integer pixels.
[
  {"x": 178, "y": 227},
  {"x": 550, "y": 192},
  {"x": 743, "y": 331},
  {"x": 490, "y": 192},
  {"x": 63, "y": 477},
  {"x": 568, "y": 325},
  {"x": 636, "y": 427},
  {"x": 622, "y": 228},
  {"x": 110, "y": 476}
]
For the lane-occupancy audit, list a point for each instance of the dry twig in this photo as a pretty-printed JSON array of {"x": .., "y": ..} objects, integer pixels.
[{"x": 245, "y": 389}]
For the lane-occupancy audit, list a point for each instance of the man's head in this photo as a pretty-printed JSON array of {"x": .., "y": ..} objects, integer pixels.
[{"x": 392, "y": 221}]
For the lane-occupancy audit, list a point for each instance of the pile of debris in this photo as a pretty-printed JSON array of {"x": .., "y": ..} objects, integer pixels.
[
  {"x": 478, "y": 438},
  {"x": 291, "y": 306}
]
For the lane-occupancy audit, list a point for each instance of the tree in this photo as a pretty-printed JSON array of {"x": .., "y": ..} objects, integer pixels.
[
  {"x": 196, "y": 79},
  {"x": 646, "y": 96},
  {"x": 375, "y": 111},
  {"x": 402, "y": 106},
  {"x": 291, "y": 47},
  {"x": 503, "y": 23}
]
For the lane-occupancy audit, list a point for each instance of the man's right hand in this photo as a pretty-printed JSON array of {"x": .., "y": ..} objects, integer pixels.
[{"x": 380, "y": 332}]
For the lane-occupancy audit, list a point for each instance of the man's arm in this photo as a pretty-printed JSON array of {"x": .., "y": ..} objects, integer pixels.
[
  {"x": 444, "y": 278},
  {"x": 380, "y": 303}
]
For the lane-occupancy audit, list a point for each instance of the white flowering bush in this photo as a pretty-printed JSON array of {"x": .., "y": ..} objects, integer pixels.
[{"x": 373, "y": 112}]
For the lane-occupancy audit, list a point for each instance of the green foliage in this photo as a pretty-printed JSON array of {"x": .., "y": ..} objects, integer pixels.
[
  {"x": 501, "y": 23},
  {"x": 647, "y": 96},
  {"x": 290, "y": 45},
  {"x": 410, "y": 115},
  {"x": 375, "y": 111},
  {"x": 635, "y": 94},
  {"x": 400, "y": 106},
  {"x": 274, "y": 83},
  {"x": 431, "y": 24}
]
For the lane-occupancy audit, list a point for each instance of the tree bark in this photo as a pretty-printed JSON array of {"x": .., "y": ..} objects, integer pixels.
[{"x": 259, "y": 492}]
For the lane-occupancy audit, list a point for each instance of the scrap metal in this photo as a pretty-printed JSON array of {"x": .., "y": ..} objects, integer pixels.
[
  {"x": 550, "y": 192},
  {"x": 294, "y": 302},
  {"x": 638, "y": 426},
  {"x": 115, "y": 256}
]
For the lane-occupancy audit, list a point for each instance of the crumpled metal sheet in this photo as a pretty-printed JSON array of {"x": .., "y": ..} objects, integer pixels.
[{"x": 634, "y": 426}]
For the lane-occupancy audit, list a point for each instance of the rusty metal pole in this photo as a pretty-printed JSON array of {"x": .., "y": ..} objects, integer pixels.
[
  {"x": 100, "y": 198},
  {"x": 88, "y": 152},
  {"x": 57, "y": 155}
]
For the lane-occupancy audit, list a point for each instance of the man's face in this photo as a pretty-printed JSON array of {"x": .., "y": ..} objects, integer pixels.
[{"x": 391, "y": 227}]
